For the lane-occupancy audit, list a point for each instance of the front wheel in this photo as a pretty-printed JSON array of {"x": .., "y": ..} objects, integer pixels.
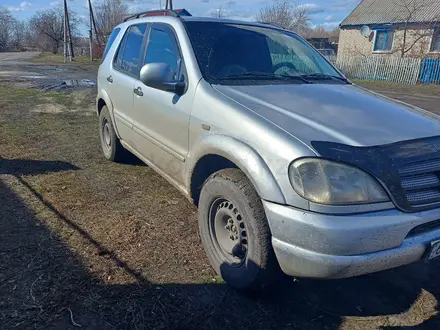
[
  {"x": 234, "y": 231},
  {"x": 110, "y": 144}
]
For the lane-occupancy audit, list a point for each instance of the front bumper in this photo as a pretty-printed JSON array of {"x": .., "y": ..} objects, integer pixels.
[{"x": 336, "y": 246}]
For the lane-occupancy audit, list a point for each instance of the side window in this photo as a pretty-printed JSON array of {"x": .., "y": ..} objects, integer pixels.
[
  {"x": 162, "y": 48},
  {"x": 435, "y": 44},
  {"x": 384, "y": 41},
  {"x": 110, "y": 41},
  {"x": 120, "y": 52},
  {"x": 128, "y": 57}
]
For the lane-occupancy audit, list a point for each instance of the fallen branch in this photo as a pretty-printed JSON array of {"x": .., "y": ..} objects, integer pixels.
[
  {"x": 71, "y": 317},
  {"x": 32, "y": 295}
]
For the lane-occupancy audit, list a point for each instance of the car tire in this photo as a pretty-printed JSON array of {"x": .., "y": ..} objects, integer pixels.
[
  {"x": 230, "y": 208},
  {"x": 110, "y": 144}
]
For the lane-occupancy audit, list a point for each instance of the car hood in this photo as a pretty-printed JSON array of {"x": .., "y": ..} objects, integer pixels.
[{"x": 344, "y": 114}]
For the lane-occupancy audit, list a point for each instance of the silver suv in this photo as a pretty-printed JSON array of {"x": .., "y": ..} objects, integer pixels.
[{"x": 292, "y": 167}]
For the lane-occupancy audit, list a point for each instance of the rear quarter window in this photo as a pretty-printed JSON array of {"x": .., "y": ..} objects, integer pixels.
[{"x": 110, "y": 41}]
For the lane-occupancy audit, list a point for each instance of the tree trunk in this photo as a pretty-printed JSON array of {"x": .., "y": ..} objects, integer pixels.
[
  {"x": 405, "y": 31},
  {"x": 55, "y": 46}
]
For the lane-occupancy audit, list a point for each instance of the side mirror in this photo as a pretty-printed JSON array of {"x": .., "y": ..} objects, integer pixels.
[{"x": 161, "y": 76}]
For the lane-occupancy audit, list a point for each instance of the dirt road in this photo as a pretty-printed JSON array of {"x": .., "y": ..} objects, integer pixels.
[
  {"x": 17, "y": 56},
  {"x": 25, "y": 70},
  {"x": 113, "y": 246}
]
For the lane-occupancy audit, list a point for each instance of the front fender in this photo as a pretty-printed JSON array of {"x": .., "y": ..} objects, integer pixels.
[{"x": 242, "y": 155}]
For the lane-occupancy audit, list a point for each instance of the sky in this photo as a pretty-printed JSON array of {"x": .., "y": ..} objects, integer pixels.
[{"x": 325, "y": 13}]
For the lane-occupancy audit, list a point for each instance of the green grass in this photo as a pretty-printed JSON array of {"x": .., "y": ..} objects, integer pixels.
[
  {"x": 8, "y": 93},
  {"x": 61, "y": 98},
  {"x": 390, "y": 86},
  {"x": 10, "y": 96},
  {"x": 32, "y": 96},
  {"x": 59, "y": 59}
]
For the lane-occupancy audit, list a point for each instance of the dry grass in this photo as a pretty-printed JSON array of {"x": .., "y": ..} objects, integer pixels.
[{"x": 114, "y": 246}]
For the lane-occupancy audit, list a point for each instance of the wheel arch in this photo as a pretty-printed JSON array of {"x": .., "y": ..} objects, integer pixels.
[
  {"x": 216, "y": 152},
  {"x": 99, "y": 105},
  {"x": 102, "y": 100}
]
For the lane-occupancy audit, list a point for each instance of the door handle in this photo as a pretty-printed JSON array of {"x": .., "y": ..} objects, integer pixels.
[
  {"x": 110, "y": 79},
  {"x": 138, "y": 91}
]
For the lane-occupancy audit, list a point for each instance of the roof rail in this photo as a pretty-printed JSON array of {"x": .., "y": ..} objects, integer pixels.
[
  {"x": 159, "y": 12},
  {"x": 273, "y": 24}
]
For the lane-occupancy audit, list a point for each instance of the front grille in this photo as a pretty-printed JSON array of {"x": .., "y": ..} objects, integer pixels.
[
  {"x": 421, "y": 183},
  {"x": 429, "y": 166},
  {"x": 424, "y": 228}
]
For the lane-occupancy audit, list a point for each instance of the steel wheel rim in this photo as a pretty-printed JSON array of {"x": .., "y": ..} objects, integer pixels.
[
  {"x": 228, "y": 231},
  {"x": 106, "y": 136}
]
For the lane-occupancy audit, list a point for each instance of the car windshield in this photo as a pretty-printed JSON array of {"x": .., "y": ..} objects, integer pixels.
[{"x": 229, "y": 52}]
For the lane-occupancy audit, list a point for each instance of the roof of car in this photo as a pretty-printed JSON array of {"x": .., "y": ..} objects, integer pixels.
[
  {"x": 223, "y": 20},
  {"x": 209, "y": 19},
  {"x": 184, "y": 15},
  {"x": 197, "y": 19}
]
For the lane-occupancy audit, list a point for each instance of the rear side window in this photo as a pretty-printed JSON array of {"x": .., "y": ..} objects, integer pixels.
[
  {"x": 128, "y": 58},
  {"x": 110, "y": 41}
]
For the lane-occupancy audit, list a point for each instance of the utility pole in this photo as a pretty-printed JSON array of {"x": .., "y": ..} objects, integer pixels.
[
  {"x": 71, "y": 53},
  {"x": 169, "y": 4},
  {"x": 91, "y": 30},
  {"x": 65, "y": 33}
]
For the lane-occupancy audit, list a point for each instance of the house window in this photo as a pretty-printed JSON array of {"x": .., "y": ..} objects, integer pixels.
[
  {"x": 435, "y": 44},
  {"x": 384, "y": 41}
]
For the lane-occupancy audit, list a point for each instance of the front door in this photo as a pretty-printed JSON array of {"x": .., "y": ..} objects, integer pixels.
[{"x": 161, "y": 118}]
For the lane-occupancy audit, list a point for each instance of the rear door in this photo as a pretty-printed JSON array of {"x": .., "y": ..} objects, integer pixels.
[{"x": 124, "y": 73}]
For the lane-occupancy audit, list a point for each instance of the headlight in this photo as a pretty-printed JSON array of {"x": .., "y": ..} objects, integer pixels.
[{"x": 325, "y": 182}]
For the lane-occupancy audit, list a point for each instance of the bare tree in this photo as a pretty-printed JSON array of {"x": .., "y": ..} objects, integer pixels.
[
  {"x": 223, "y": 10},
  {"x": 219, "y": 12},
  {"x": 6, "y": 23},
  {"x": 108, "y": 14},
  {"x": 46, "y": 29},
  {"x": 18, "y": 35},
  {"x": 286, "y": 14},
  {"x": 411, "y": 10}
]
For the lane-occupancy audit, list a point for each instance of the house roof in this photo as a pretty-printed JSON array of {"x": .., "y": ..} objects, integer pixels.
[
  {"x": 182, "y": 12},
  {"x": 393, "y": 11}
]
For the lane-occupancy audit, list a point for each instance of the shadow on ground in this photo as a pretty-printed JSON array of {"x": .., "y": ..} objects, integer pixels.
[{"x": 44, "y": 284}]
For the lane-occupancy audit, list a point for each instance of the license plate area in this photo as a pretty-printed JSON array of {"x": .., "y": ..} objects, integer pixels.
[{"x": 434, "y": 250}]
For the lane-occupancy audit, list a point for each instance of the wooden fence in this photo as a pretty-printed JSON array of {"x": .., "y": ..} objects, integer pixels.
[{"x": 384, "y": 68}]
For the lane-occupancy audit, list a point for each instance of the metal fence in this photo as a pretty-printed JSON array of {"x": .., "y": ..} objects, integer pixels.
[
  {"x": 430, "y": 71},
  {"x": 383, "y": 68}
]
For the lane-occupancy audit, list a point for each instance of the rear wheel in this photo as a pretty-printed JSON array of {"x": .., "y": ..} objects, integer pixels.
[
  {"x": 110, "y": 144},
  {"x": 235, "y": 232}
]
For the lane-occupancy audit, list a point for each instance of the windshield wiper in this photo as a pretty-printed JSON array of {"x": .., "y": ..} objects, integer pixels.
[
  {"x": 262, "y": 76},
  {"x": 323, "y": 76}
]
